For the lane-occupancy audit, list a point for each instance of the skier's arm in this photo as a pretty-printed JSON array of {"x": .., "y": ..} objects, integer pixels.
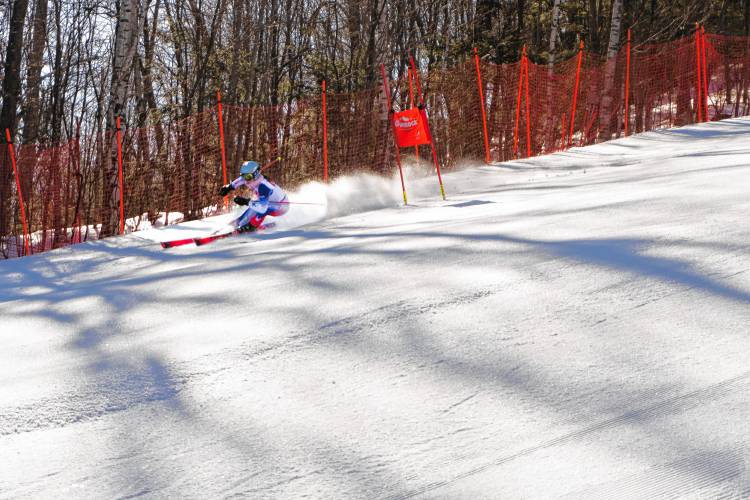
[{"x": 226, "y": 189}]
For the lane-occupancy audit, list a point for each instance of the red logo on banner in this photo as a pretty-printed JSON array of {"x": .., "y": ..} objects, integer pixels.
[{"x": 411, "y": 128}]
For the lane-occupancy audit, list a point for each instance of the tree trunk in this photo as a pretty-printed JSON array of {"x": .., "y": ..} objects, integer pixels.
[
  {"x": 354, "y": 31},
  {"x": 554, "y": 33},
  {"x": 11, "y": 91},
  {"x": 237, "y": 29},
  {"x": 126, "y": 43},
  {"x": 593, "y": 26},
  {"x": 605, "y": 120},
  {"x": 553, "y": 37},
  {"x": 375, "y": 13},
  {"x": 32, "y": 106}
]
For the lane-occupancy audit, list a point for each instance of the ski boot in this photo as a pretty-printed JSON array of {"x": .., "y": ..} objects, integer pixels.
[{"x": 247, "y": 228}]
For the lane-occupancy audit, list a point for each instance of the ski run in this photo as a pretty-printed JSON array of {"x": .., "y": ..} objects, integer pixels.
[{"x": 571, "y": 326}]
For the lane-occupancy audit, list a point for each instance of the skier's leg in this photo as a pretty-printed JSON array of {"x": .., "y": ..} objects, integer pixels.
[
  {"x": 257, "y": 220},
  {"x": 278, "y": 209},
  {"x": 243, "y": 221},
  {"x": 250, "y": 220}
]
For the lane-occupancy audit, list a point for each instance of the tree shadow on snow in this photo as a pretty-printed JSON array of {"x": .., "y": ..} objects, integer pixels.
[{"x": 120, "y": 380}]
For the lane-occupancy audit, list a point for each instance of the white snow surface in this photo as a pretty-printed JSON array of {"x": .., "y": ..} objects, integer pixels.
[{"x": 568, "y": 326}]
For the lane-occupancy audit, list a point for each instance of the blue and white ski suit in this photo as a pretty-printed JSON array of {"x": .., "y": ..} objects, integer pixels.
[{"x": 269, "y": 199}]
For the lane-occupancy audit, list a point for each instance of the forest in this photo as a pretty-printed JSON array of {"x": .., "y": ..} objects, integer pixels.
[{"x": 86, "y": 61}]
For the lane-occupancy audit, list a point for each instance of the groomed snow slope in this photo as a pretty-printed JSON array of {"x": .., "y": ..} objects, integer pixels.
[{"x": 572, "y": 326}]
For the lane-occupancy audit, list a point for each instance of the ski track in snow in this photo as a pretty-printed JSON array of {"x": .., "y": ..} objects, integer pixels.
[{"x": 569, "y": 326}]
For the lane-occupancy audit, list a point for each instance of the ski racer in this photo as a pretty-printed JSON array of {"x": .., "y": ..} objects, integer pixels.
[{"x": 266, "y": 197}]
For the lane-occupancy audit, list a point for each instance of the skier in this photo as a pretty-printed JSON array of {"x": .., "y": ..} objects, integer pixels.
[{"x": 266, "y": 198}]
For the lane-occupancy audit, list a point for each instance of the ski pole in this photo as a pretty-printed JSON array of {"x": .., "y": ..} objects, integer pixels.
[
  {"x": 295, "y": 203},
  {"x": 270, "y": 163}
]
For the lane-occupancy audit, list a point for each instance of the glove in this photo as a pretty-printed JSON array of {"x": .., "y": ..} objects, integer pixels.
[
  {"x": 226, "y": 189},
  {"x": 241, "y": 201}
]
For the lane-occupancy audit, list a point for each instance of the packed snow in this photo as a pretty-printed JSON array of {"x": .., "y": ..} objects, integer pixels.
[{"x": 568, "y": 326}]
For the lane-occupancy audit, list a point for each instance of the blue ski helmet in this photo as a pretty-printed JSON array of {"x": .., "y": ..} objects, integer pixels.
[{"x": 250, "y": 170}]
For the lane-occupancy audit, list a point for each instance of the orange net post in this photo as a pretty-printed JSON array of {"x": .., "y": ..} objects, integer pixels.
[
  {"x": 523, "y": 90},
  {"x": 627, "y": 88},
  {"x": 698, "y": 82},
  {"x": 222, "y": 146},
  {"x": 325, "y": 132},
  {"x": 704, "y": 71},
  {"x": 528, "y": 105},
  {"x": 575, "y": 95},
  {"x": 22, "y": 207},
  {"x": 121, "y": 186},
  {"x": 521, "y": 70},
  {"x": 482, "y": 105}
]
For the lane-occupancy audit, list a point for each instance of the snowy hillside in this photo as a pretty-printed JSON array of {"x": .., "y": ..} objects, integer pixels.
[{"x": 571, "y": 326}]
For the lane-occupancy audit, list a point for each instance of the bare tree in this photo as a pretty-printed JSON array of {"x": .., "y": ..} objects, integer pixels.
[
  {"x": 125, "y": 46},
  {"x": 11, "y": 91},
  {"x": 32, "y": 105},
  {"x": 606, "y": 119},
  {"x": 554, "y": 32}
]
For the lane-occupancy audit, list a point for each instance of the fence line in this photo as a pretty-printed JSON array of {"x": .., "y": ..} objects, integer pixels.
[{"x": 128, "y": 179}]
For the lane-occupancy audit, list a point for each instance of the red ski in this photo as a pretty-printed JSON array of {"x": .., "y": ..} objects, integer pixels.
[
  {"x": 208, "y": 239},
  {"x": 214, "y": 237},
  {"x": 177, "y": 243}
]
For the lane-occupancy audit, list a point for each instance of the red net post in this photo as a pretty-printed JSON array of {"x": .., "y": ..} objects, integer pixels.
[
  {"x": 398, "y": 154},
  {"x": 75, "y": 157},
  {"x": 627, "y": 87},
  {"x": 325, "y": 131},
  {"x": 518, "y": 101},
  {"x": 222, "y": 145},
  {"x": 575, "y": 95},
  {"x": 22, "y": 207},
  {"x": 705, "y": 73},
  {"x": 120, "y": 176},
  {"x": 480, "y": 86},
  {"x": 524, "y": 92},
  {"x": 698, "y": 82},
  {"x": 528, "y": 106}
]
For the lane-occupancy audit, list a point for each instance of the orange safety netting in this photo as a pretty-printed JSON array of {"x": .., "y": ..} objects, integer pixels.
[{"x": 476, "y": 111}]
